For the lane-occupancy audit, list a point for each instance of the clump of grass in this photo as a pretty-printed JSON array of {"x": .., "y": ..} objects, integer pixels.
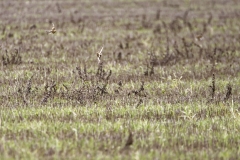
[
  {"x": 24, "y": 95},
  {"x": 29, "y": 86},
  {"x": 119, "y": 87},
  {"x": 49, "y": 91},
  {"x": 11, "y": 58},
  {"x": 139, "y": 92},
  {"x": 82, "y": 73},
  {"x": 151, "y": 63},
  {"x": 102, "y": 90},
  {"x": 139, "y": 103},
  {"x": 102, "y": 74},
  {"x": 228, "y": 93},
  {"x": 213, "y": 89}
]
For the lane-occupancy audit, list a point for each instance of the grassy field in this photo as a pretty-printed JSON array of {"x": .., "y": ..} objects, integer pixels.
[{"x": 166, "y": 86}]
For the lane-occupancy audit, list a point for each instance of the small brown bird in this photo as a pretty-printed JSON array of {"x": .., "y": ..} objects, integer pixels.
[
  {"x": 199, "y": 37},
  {"x": 129, "y": 140},
  {"x": 99, "y": 54},
  {"x": 53, "y": 30}
]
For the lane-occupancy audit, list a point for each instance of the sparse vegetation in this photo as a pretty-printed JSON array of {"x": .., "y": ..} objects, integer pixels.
[{"x": 165, "y": 86}]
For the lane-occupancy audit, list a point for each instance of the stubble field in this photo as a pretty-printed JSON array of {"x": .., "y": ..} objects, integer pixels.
[{"x": 166, "y": 86}]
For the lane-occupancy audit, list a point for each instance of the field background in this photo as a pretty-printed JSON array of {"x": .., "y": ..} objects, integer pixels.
[{"x": 167, "y": 86}]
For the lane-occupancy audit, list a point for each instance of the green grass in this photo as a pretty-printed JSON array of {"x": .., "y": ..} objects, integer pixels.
[{"x": 188, "y": 131}]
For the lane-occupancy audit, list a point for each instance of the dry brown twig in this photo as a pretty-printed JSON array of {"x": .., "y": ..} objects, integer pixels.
[{"x": 53, "y": 30}]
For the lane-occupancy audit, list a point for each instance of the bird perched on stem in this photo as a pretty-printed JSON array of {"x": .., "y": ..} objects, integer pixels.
[
  {"x": 53, "y": 30},
  {"x": 99, "y": 54},
  {"x": 199, "y": 37}
]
